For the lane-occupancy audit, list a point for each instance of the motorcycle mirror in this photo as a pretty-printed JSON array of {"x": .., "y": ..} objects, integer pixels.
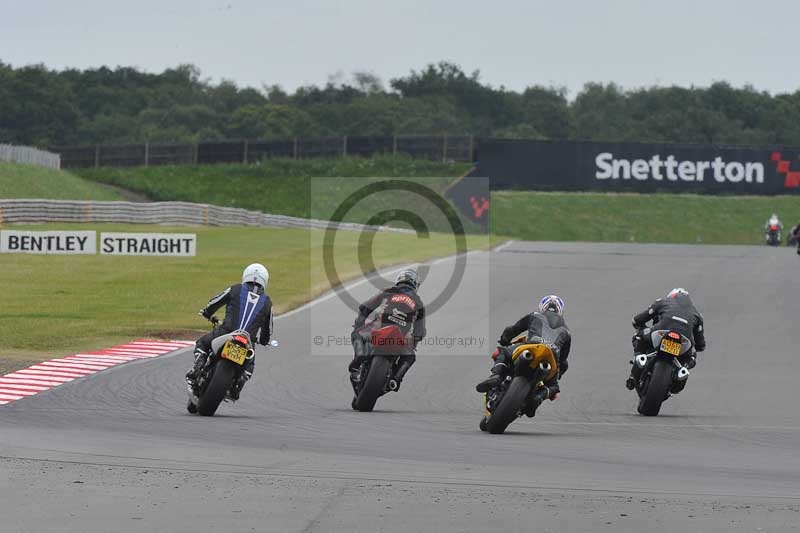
[{"x": 274, "y": 343}]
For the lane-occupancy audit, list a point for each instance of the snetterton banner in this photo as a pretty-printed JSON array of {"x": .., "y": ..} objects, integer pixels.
[
  {"x": 638, "y": 167},
  {"x": 48, "y": 242}
]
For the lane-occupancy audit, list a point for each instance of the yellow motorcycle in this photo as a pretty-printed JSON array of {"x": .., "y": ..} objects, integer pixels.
[{"x": 532, "y": 365}]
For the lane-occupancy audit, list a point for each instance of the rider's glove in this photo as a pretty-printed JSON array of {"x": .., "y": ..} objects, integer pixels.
[
  {"x": 214, "y": 320},
  {"x": 204, "y": 313},
  {"x": 501, "y": 343}
]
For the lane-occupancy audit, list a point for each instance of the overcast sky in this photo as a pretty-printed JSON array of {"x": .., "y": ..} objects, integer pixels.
[{"x": 514, "y": 43}]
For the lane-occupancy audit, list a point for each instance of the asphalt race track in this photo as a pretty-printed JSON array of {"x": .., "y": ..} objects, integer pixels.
[{"x": 118, "y": 452}]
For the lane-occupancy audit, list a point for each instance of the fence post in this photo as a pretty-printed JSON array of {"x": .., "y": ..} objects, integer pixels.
[
  {"x": 245, "y": 152},
  {"x": 146, "y": 154},
  {"x": 444, "y": 148},
  {"x": 471, "y": 148},
  {"x": 195, "y": 150},
  {"x": 344, "y": 146},
  {"x": 294, "y": 149},
  {"x": 96, "y": 155},
  {"x": 394, "y": 146}
]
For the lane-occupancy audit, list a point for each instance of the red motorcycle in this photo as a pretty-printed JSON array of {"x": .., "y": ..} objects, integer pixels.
[
  {"x": 372, "y": 379},
  {"x": 773, "y": 235}
]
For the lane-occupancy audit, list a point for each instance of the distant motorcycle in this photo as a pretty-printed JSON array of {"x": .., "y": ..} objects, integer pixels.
[
  {"x": 532, "y": 365},
  {"x": 372, "y": 379},
  {"x": 221, "y": 371},
  {"x": 662, "y": 372},
  {"x": 791, "y": 240},
  {"x": 773, "y": 235}
]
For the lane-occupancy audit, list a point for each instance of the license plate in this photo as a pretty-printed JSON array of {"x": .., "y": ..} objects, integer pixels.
[
  {"x": 670, "y": 347},
  {"x": 234, "y": 352}
]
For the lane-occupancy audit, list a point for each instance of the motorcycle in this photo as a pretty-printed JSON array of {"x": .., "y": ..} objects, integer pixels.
[
  {"x": 791, "y": 240},
  {"x": 662, "y": 373},
  {"x": 373, "y": 378},
  {"x": 221, "y": 372},
  {"x": 773, "y": 235},
  {"x": 532, "y": 365}
]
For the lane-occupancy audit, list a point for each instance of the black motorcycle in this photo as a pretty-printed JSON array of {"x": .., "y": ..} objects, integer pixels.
[
  {"x": 662, "y": 372},
  {"x": 532, "y": 365},
  {"x": 791, "y": 240},
  {"x": 372, "y": 379},
  {"x": 222, "y": 371}
]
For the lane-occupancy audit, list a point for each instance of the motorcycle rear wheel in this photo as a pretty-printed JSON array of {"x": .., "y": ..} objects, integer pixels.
[
  {"x": 508, "y": 409},
  {"x": 217, "y": 388},
  {"x": 374, "y": 384},
  {"x": 657, "y": 389}
]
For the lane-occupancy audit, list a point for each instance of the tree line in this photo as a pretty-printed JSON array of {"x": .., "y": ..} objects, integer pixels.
[{"x": 44, "y": 107}]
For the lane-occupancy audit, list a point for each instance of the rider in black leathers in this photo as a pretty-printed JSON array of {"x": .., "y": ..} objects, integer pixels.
[
  {"x": 400, "y": 306},
  {"x": 675, "y": 312},
  {"x": 248, "y": 307},
  {"x": 545, "y": 327}
]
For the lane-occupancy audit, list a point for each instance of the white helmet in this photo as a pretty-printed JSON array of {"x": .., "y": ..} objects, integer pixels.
[
  {"x": 551, "y": 302},
  {"x": 676, "y": 291},
  {"x": 256, "y": 273}
]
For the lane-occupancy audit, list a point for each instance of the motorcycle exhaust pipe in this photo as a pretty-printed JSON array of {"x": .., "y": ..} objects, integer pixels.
[
  {"x": 250, "y": 353},
  {"x": 641, "y": 360},
  {"x": 683, "y": 373}
]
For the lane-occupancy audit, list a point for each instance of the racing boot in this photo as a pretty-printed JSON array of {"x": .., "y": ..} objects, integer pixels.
[
  {"x": 499, "y": 371},
  {"x": 636, "y": 373},
  {"x": 200, "y": 357},
  {"x": 541, "y": 393},
  {"x": 236, "y": 390},
  {"x": 402, "y": 368},
  {"x": 359, "y": 356},
  {"x": 354, "y": 367}
]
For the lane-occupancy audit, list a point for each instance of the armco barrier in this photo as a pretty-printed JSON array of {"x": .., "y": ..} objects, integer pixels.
[
  {"x": 638, "y": 167},
  {"x": 174, "y": 213}
]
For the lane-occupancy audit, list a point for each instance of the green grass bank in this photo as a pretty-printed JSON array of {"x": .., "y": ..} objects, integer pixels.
[
  {"x": 656, "y": 218},
  {"x": 302, "y": 188},
  {"x": 29, "y": 181}
]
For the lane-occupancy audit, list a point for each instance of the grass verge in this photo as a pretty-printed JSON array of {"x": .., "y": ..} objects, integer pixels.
[
  {"x": 663, "y": 218},
  {"x": 278, "y": 186},
  {"x": 30, "y": 181},
  {"x": 58, "y": 305}
]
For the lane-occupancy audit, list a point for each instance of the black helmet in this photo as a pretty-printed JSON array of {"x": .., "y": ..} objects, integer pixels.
[{"x": 408, "y": 278}]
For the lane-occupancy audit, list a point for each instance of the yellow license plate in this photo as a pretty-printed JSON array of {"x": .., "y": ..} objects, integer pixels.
[
  {"x": 234, "y": 352},
  {"x": 670, "y": 347}
]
